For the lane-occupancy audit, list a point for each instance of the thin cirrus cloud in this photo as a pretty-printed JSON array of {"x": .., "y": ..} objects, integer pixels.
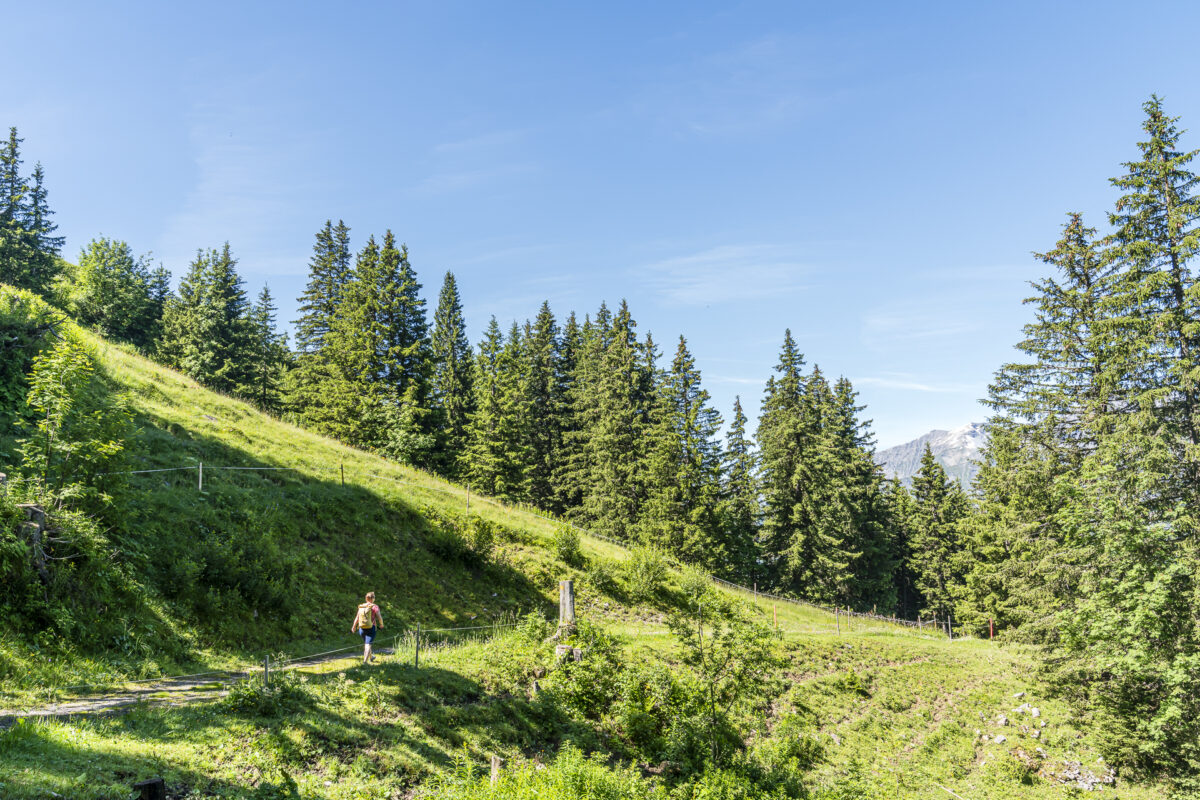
[
  {"x": 892, "y": 329},
  {"x": 248, "y": 176},
  {"x": 757, "y": 85},
  {"x": 906, "y": 383},
  {"x": 459, "y": 180},
  {"x": 725, "y": 274}
]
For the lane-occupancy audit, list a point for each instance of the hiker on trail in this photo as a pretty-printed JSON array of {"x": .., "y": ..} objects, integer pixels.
[{"x": 365, "y": 619}]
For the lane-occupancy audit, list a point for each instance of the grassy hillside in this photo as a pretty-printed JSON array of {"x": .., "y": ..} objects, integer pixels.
[{"x": 274, "y": 559}]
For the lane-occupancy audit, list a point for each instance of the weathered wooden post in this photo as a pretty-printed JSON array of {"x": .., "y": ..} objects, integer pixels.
[
  {"x": 342, "y": 468},
  {"x": 496, "y": 762},
  {"x": 837, "y": 619},
  {"x": 417, "y": 649},
  {"x": 152, "y": 789},
  {"x": 566, "y": 607},
  {"x": 200, "y": 480},
  {"x": 266, "y": 672},
  {"x": 775, "y": 614},
  {"x": 991, "y": 629}
]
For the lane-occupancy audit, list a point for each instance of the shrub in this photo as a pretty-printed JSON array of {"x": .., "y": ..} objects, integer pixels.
[
  {"x": 646, "y": 570},
  {"x": 695, "y": 583},
  {"x": 286, "y": 693},
  {"x": 602, "y": 576},
  {"x": 566, "y": 545},
  {"x": 480, "y": 538}
]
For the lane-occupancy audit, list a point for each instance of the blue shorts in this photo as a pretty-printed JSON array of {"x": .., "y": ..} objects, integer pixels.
[{"x": 368, "y": 634}]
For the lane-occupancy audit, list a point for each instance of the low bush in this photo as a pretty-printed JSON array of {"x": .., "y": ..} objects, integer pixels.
[
  {"x": 566, "y": 545},
  {"x": 646, "y": 571}
]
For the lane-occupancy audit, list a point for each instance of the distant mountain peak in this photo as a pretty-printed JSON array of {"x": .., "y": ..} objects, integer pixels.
[{"x": 956, "y": 450}]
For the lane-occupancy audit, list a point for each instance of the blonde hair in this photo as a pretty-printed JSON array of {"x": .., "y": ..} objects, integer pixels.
[{"x": 370, "y": 597}]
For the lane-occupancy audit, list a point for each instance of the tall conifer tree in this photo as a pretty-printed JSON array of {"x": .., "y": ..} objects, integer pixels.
[{"x": 451, "y": 396}]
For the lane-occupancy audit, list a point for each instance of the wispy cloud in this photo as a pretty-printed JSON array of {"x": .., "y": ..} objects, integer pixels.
[
  {"x": 916, "y": 386},
  {"x": 731, "y": 379},
  {"x": 250, "y": 171},
  {"x": 756, "y": 85},
  {"x": 458, "y": 180},
  {"x": 887, "y": 330},
  {"x": 483, "y": 141},
  {"x": 725, "y": 274}
]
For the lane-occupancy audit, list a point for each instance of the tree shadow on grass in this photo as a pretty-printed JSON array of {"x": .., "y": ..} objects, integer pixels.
[{"x": 377, "y": 724}]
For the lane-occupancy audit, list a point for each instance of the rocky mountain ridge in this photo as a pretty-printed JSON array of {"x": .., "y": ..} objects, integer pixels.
[{"x": 956, "y": 450}]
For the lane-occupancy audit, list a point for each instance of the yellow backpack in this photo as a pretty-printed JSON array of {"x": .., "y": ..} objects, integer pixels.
[{"x": 366, "y": 616}]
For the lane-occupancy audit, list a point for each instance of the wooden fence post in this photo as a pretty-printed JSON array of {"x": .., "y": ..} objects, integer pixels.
[
  {"x": 417, "y": 649},
  {"x": 566, "y": 606},
  {"x": 266, "y": 672},
  {"x": 991, "y": 629},
  {"x": 200, "y": 482},
  {"x": 495, "y": 770},
  {"x": 152, "y": 789},
  {"x": 342, "y": 469},
  {"x": 837, "y": 619}
]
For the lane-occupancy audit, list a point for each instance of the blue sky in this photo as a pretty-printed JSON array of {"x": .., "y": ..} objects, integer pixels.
[{"x": 873, "y": 176}]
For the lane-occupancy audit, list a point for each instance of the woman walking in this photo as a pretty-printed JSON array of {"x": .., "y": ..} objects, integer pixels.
[{"x": 365, "y": 619}]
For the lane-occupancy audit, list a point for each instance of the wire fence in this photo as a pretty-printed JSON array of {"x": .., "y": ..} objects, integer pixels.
[
  {"x": 420, "y": 644},
  {"x": 945, "y": 626}
]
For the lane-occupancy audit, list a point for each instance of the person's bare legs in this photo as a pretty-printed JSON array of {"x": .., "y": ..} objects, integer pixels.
[{"x": 366, "y": 653}]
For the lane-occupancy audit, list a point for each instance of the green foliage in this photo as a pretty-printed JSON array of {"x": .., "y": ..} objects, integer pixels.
[
  {"x": 207, "y": 328},
  {"x": 683, "y": 469},
  {"x": 571, "y": 776},
  {"x": 695, "y": 583},
  {"x": 451, "y": 397},
  {"x": 826, "y": 532},
  {"x": 645, "y": 572},
  {"x": 1087, "y": 533},
  {"x": 566, "y": 545},
  {"x": 28, "y": 247},
  {"x": 453, "y": 537},
  {"x": 116, "y": 293},
  {"x": 733, "y": 661},
  {"x": 26, "y": 325},
  {"x": 286, "y": 694},
  {"x": 79, "y": 428},
  {"x": 602, "y": 574},
  {"x": 938, "y": 505}
]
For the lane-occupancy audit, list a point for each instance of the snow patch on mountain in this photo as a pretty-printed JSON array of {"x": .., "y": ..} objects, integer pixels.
[{"x": 956, "y": 450}]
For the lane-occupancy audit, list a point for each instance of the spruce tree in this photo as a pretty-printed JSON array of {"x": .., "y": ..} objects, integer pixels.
[
  {"x": 28, "y": 247},
  {"x": 206, "y": 328},
  {"x": 329, "y": 272},
  {"x": 573, "y": 371},
  {"x": 615, "y": 427},
  {"x": 268, "y": 356},
  {"x": 402, "y": 321},
  {"x": 1156, "y": 239},
  {"x": 496, "y": 461},
  {"x": 859, "y": 480},
  {"x": 786, "y": 431},
  {"x": 740, "y": 505},
  {"x": 353, "y": 395},
  {"x": 938, "y": 505},
  {"x": 544, "y": 401},
  {"x": 45, "y": 245},
  {"x": 405, "y": 358},
  {"x": 683, "y": 470},
  {"x": 451, "y": 397}
]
